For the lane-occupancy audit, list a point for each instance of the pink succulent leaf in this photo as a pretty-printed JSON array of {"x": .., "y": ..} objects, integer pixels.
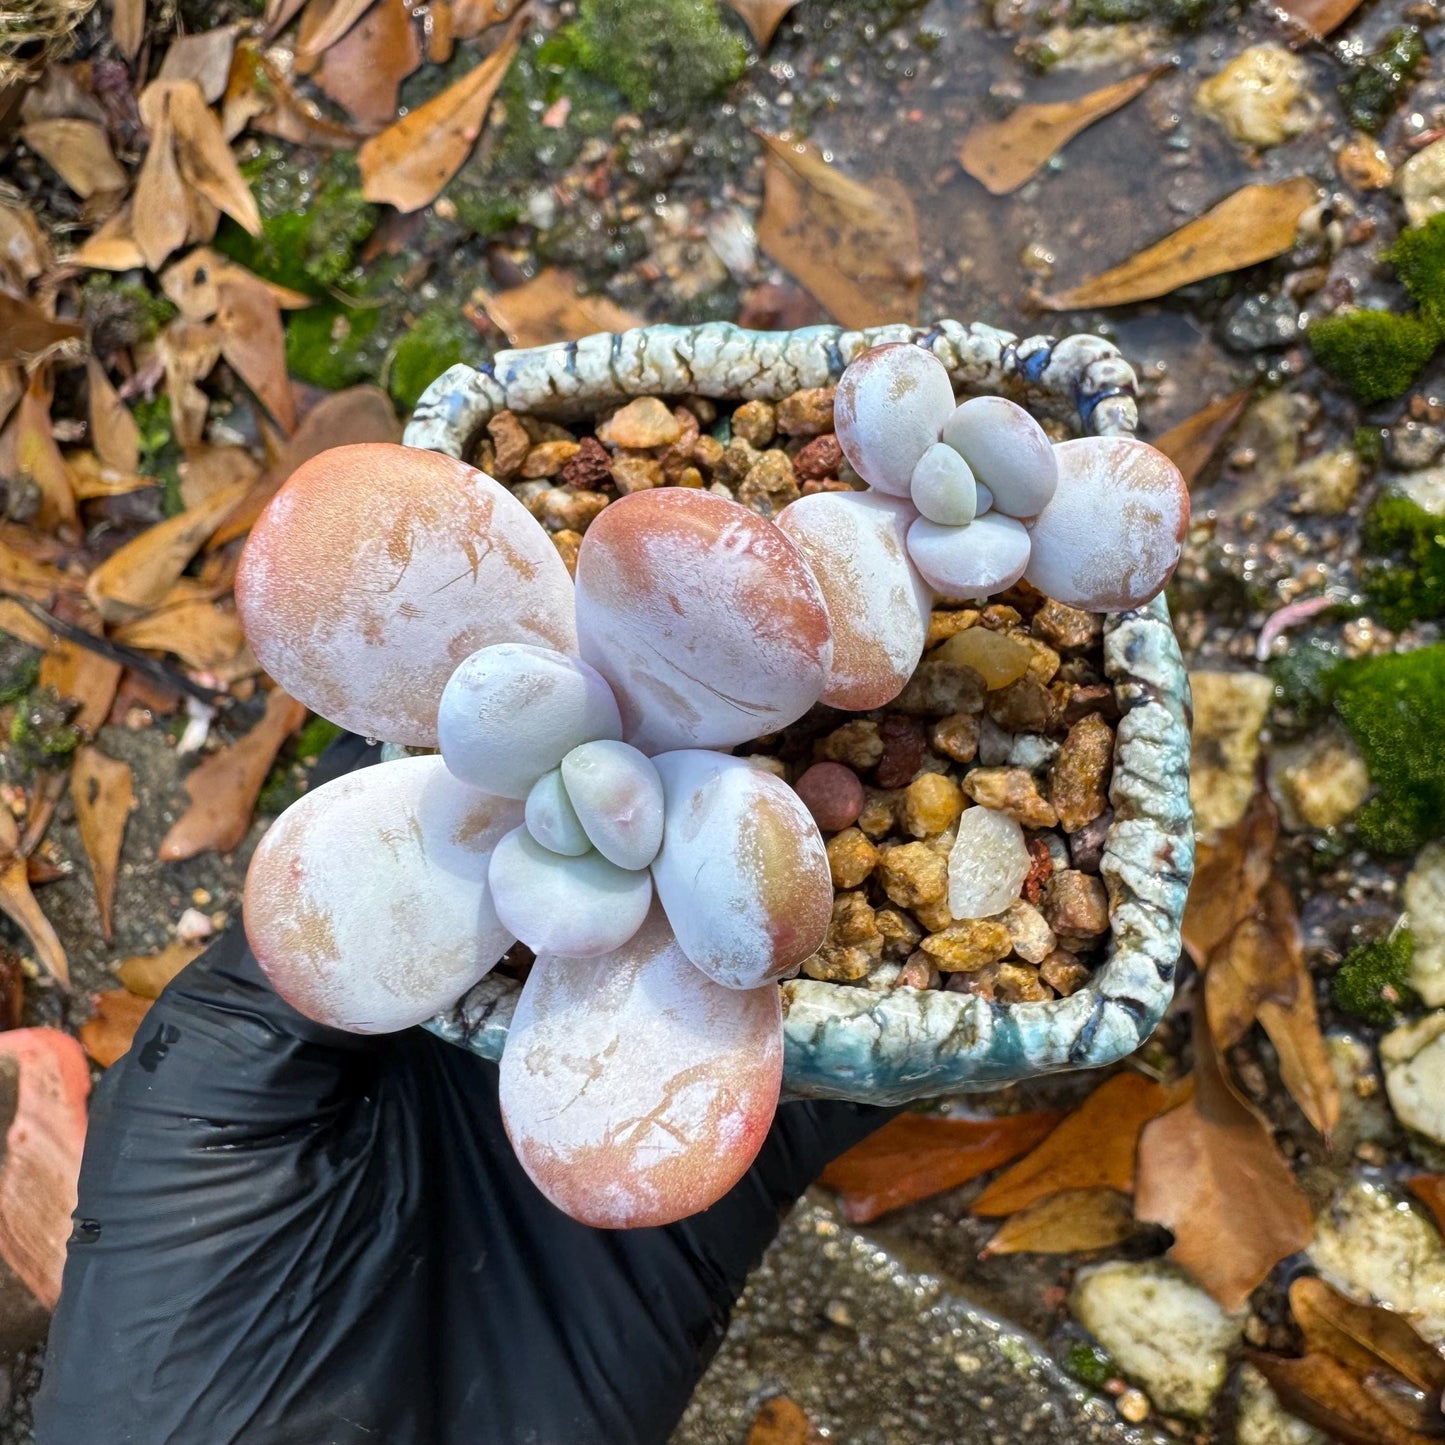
[
  {"x": 856, "y": 544},
  {"x": 890, "y": 407},
  {"x": 635, "y": 1091},
  {"x": 1113, "y": 533},
  {"x": 1007, "y": 451},
  {"x": 703, "y": 617},
  {"x": 377, "y": 568},
  {"x": 367, "y": 903},
  {"x": 743, "y": 873},
  {"x": 987, "y": 556}
]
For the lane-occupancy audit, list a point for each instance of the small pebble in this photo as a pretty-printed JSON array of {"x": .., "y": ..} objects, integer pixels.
[
  {"x": 944, "y": 623},
  {"x": 1013, "y": 792},
  {"x": 769, "y": 484},
  {"x": 1065, "y": 627},
  {"x": 940, "y": 687},
  {"x": 1076, "y": 904},
  {"x": 548, "y": 458},
  {"x": 833, "y": 794},
  {"x": 851, "y": 858},
  {"x": 756, "y": 422},
  {"x": 964, "y": 947},
  {"x": 1086, "y": 847},
  {"x": 1063, "y": 972},
  {"x": 856, "y": 743},
  {"x": 589, "y": 468},
  {"x": 1020, "y": 983},
  {"x": 563, "y": 509},
  {"x": 511, "y": 444},
  {"x": 1079, "y": 778},
  {"x": 1029, "y": 932},
  {"x": 567, "y": 543},
  {"x": 736, "y": 462},
  {"x": 931, "y": 804},
  {"x": 956, "y": 736},
  {"x": 645, "y": 422},
  {"x": 913, "y": 874},
  {"x": 634, "y": 472},
  {"x": 901, "y": 934},
  {"x": 904, "y": 744},
  {"x": 997, "y": 657},
  {"x": 193, "y": 925},
  {"x": 820, "y": 458},
  {"x": 1025, "y": 706},
  {"x": 807, "y": 413},
  {"x": 1133, "y": 1406},
  {"x": 880, "y": 811},
  {"x": 987, "y": 865}
]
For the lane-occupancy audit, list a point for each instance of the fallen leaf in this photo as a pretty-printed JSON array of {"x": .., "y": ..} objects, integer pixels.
[
  {"x": 254, "y": 345},
  {"x": 204, "y": 58},
  {"x": 108, "y": 1035},
  {"x": 1364, "y": 1337},
  {"x": 91, "y": 478},
  {"x": 855, "y": 247},
  {"x": 260, "y": 94},
  {"x": 39, "y": 581},
  {"x": 12, "y": 388},
  {"x": 114, "y": 247},
  {"x": 18, "y": 622},
  {"x": 137, "y": 576},
  {"x": 83, "y": 676},
  {"x": 79, "y": 152},
  {"x": 100, "y": 788},
  {"x": 1320, "y": 16},
  {"x": 1256, "y": 223},
  {"x": 63, "y": 92},
  {"x": 37, "y": 457},
  {"x": 918, "y": 1155},
  {"x": 762, "y": 17},
  {"x": 409, "y": 162},
  {"x": 44, "y": 1082},
  {"x": 1194, "y": 441},
  {"x": 223, "y": 788},
  {"x": 279, "y": 13},
  {"x": 205, "y": 637},
  {"x": 440, "y": 38},
  {"x": 1429, "y": 1189},
  {"x": 208, "y": 469},
  {"x": 195, "y": 284},
  {"x": 205, "y": 160},
  {"x": 547, "y": 308},
  {"x": 323, "y": 23},
  {"x": 781, "y": 1421},
  {"x": 160, "y": 213},
  {"x": 28, "y": 335},
  {"x": 24, "y": 248},
  {"x": 1066, "y": 1223},
  {"x": 188, "y": 351},
  {"x": 1209, "y": 1171},
  {"x": 127, "y": 26},
  {"x": 43, "y": 798},
  {"x": 113, "y": 431},
  {"x": 1004, "y": 154},
  {"x": 1320, "y": 1390},
  {"x": 363, "y": 71},
  {"x": 19, "y": 903},
  {"x": 471, "y": 17},
  {"x": 146, "y": 974},
  {"x": 1092, "y": 1149},
  {"x": 1229, "y": 875}
]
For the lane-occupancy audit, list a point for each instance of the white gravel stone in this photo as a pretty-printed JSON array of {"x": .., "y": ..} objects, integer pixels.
[
  {"x": 1319, "y": 780},
  {"x": 1414, "y": 1060},
  {"x": 1262, "y": 97},
  {"x": 987, "y": 864},
  {"x": 1365, "y": 1115},
  {"x": 1229, "y": 711},
  {"x": 1262, "y": 1420},
  {"x": 1167, "y": 1334},
  {"x": 1421, "y": 182},
  {"x": 1425, "y": 908}
]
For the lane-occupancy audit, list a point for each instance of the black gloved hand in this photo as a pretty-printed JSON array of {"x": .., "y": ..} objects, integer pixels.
[{"x": 289, "y": 1233}]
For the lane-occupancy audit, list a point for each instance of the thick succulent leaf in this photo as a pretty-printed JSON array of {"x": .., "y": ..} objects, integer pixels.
[
  {"x": 703, "y": 617},
  {"x": 617, "y": 795},
  {"x": 367, "y": 903},
  {"x": 856, "y": 544},
  {"x": 377, "y": 568},
  {"x": 890, "y": 408},
  {"x": 743, "y": 873},
  {"x": 1113, "y": 534},
  {"x": 634, "y": 1090},
  {"x": 551, "y": 818},
  {"x": 973, "y": 561},
  {"x": 1007, "y": 450},
  {"x": 512, "y": 712},
  {"x": 944, "y": 488}
]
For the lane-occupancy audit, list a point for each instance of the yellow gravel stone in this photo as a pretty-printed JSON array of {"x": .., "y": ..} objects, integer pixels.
[
  {"x": 851, "y": 858},
  {"x": 963, "y": 947},
  {"x": 913, "y": 874},
  {"x": 931, "y": 804},
  {"x": 998, "y": 657}
]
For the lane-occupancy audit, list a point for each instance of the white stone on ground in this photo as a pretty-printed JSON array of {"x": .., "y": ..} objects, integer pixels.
[
  {"x": 1421, "y": 182},
  {"x": 1365, "y": 1116},
  {"x": 1229, "y": 712},
  {"x": 1425, "y": 909},
  {"x": 1262, "y": 97},
  {"x": 1262, "y": 1420},
  {"x": 1414, "y": 1060},
  {"x": 987, "y": 864},
  {"x": 1319, "y": 780},
  {"x": 1167, "y": 1334}
]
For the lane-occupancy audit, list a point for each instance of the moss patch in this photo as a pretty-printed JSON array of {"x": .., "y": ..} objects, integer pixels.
[
  {"x": 1371, "y": 983},
  {"x": 120, "y": 313},
  {"x": 1090, "y": 1364},
  {"x": 440, "y": 337},
  {"x": 1373, "y": 92},
  {"x": 334, "y": 346},
  {"x": 41, "y": 731},
  {"x": 1405, "y": 575},
  {"x": 1176, "y": 14}
]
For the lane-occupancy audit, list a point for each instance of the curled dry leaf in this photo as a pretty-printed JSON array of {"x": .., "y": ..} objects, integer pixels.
[
  {"x": 1229, "y": 876},
  {"x": 204, "y": 636},
  {"x": 205, "y": 159},
  {"x": 1364, "y": 1337},
  {"x": 323, "y": 24},
  {"x": 1210, "y": 1172},
  {"x": 85, "y": 677},
  {"x": 1256, "y": 223},
  {"x": 409, "y": 162},
  {"x": 1322, "y": 1391},
  {"x": 79, "y": 152},
  {"x": 1066, "y": 1223},
  {"x": 19, "y": 622},
  {"x": 108, "y": 1034},
  {"x": 113, "y": 431},
  {"x": 20, "y": 573},
  {"x": 918, "y": 1155},
  {"x": 1194, "y": 441},
  {"x": 278, "y": 14},
  {"x": 28, "y": 335},
  {"x": 100, "y": 788},
  {"x": 188, "y": 351},
  {"x": 204, "y": 58},
  {"x": 1005, "y": 153},
  {"x": 223, "y": 788},
  {"x": 471, "y": 17},
  {"x": 1320, "y": 16},
  {"x": 24, "y": 247},
  {"x": 1092, "y": 1149},
  {"x": 363, "y": 71},
  {"x": 160, "y": 217},
  {"x": 127, "y": 26},
  {"x": 91, "y": 478},
  {"x": 762, "y": 17},
  {"x": 855, "y": 247},
  {"x": 17, "y": 901},
  {"x": 260, "y": 93},
  {"x": 37, "y": 457},
  {"x": 137, "y": 576},
  {"x": 114, "y": 246},
  {"x": 548, "y": 308},
  {"x": 146, "y": 974}
]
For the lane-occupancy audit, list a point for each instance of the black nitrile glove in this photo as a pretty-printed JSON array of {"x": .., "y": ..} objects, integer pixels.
[{"x": 291, "y": 1234}]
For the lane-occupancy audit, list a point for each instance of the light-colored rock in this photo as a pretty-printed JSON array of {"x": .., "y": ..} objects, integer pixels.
[
  {"x": 1373, "y": 1245},
  {"x": 1262, "y": 97},
  {"x": 987, "y": 864},
  {"x": 1413, "y": 1056},
  {"x": 1262, "y": 1420},
  {"x": 1421, "y": 182},
  {"x": 890, "y": 407},
  {"x": 1167, "y": 1334},
  {"x": 1425, "y": 908},
  {"x": 1426, "y": 488},
  {"x": 1229, "y": 711},
  {"x": 1007, "y": 451},
  {"x": 1364, "y": 1115},
  {"x": 1326, "y": 485},
  {"x": 974, "y": 561},
  {"x": 943, "y": 487},
  {"x": 1318, "y": 781}
]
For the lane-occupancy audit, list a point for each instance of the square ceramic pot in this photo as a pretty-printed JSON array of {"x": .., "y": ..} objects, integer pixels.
[{"x": 849, "y": 1041}]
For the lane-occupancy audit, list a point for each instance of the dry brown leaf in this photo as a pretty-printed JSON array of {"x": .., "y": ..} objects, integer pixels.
[
  {"x": 79, "y": 152},
  {"x": 855, "y": 247},
  {"x": 91, "y": 478},
  {"x": 114, "y": 246},
  {"x": 204, "y": 58},
  {"x": 100, "y": 788},
  {"x": 204, "y": 158},
  {"x": 762, "y": 17},
  {"x": 279, "y": 13},
  {"x": 1256, "y": 223},
  {"x": 195, "y": 284},
  {"x": 84, "y": 676},
  {"x": 548, "y": 308},
  {"x": 409, "y": 162},
  {"x": 1092, "y": 1149},
  {"x": 108, "y": 1035},
  {"x": 18, "y": 902},
  {"x": 160, "y": 218},
  {"x": 146, "y": 974},
  {"x": 204, "y": 636},
  {"x": 1364, "y": 1337},
  {"x": 223, "y": 788},
  {"x": 323, "y": 23},
  {"x": 137, "y": 576},
  {"x": 22, "y": 624},
  {"x": 259, "y": 94},
  {"x": 363, "y": 71},
  {"x": 1322, "y": 1391},
  {"x": 1320, "y": 16},
  {"x": 781, "y": 1421},
  {"x": 188, "y": 351},
  {"x": 1429, "y": 1189},
  {"x": 471, "y": 17},
  {"x": 254, "y": 345},
  {"x": 207, "y": 470},
  {"x": 1004, "y": 154},
  {"x": 20, "y": 573},
  {"x": 37, "y": 457},
  {"x": 917, "y": 1155},
  {"x": 24, "y": 249},
  {"x": 440, "y": 40},
  {"x": 28, "y": 335},
  {"x": 1229, "y": 875},
  {"x": 128, "y": 25},
  {"x": 1194, "y": 441},
  {"x": 113, "y": 431},
  {"x": 1210, "y": 1172},
  {"x": 1066, "y": 1223}
]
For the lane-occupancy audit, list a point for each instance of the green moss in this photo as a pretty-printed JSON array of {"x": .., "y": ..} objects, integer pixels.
[
  {"x": 663, "y": 55},
  {"x": 20, "y": 679},
  {"x": 334, "y": 346},
  {"x": 1302, "y": 676},
  {"x": 1373, "y": 92},
  {"x": 1394, "y": 708},
  {"x": 1419, "y": 258},
  {"x": 41, "y": 731},
  {"x": 440, "y": 337},
  {"x": 1369, "y": 445},
  {"x": 1372, "y": 981},
  {"x": 1377, "y": 354},
  {"x": 1405, "y": 575},
  {"x": 1176, "y": 14},
  {"x": 1090, "y": 1364},
  {"x": 160, "y": 455},
  {"x": 121, "y": 313},
  {"x": 314, "y": 738}
]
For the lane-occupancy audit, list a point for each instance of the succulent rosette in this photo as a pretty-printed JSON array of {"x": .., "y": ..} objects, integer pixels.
[
  {"x": 582, "y": 802},
  {"x": 965, "y": 500}
]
